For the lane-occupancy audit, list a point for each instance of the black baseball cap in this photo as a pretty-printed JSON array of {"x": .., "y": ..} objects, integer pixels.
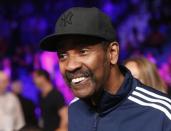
[{"x": 89, "y": 22}]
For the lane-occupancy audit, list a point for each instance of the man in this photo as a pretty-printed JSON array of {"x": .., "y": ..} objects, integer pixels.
[
  {"x": 54, "y": 111},
  {"x": 27, "y": 105},
  {"x": 110, "y": 99},
  {"x": 11, "y": 116}
]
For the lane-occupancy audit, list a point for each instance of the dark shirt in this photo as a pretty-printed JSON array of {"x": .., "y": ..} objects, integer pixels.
[
  {"x": 28, "y": 108},
  {"x": 50, "y": 106}
]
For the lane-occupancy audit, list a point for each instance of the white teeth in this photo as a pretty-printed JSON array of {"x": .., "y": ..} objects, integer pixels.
[{"x": 76, "y": 80}]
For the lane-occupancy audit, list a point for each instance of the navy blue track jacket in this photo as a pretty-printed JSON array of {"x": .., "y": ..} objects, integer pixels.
[{"x": 135, "y": 107}]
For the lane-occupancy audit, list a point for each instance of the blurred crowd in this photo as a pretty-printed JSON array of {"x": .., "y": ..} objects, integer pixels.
[{"x": 143, "y": 27}]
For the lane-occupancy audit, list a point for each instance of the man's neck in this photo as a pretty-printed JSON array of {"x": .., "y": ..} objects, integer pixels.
[{"x": 115, "y": 81}]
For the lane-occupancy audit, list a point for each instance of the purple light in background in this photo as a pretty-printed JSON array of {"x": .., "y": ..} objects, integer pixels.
[
  {"x": 26, "y": 8},
  {"x": 151, "y": 58},
  {"x": 49, "y": 62},
  {"x": 7, "y": 66},
  {"x": 110, "y": 9},
  {"x": 114, "y": 9}
]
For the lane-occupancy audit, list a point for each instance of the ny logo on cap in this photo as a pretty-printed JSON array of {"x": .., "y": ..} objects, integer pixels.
[{"x": 66, "y": 19}]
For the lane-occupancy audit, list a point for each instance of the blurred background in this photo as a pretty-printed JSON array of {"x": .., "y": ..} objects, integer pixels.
[{"x": 143, "y": 27}]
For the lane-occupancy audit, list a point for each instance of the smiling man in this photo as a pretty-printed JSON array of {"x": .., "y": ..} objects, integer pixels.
[{"x": 110, "y": 99}]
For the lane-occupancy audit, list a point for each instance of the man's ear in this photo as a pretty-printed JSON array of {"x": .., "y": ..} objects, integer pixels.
[{"x": 113, "y": 52}]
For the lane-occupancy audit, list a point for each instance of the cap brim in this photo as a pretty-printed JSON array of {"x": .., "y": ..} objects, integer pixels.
[
  {"x": 52, "y": 42},
  {"x": 49, "y": 43}
]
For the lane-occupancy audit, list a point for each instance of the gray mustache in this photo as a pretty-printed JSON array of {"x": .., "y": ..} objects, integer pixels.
[{"x": 78, "y": 73}]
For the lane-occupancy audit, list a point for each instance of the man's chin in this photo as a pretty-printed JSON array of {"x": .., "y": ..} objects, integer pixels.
[{"x": 82, "y": 94}]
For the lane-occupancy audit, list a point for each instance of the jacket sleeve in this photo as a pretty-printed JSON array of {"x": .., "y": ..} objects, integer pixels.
[{"x": 166, "y": 124}]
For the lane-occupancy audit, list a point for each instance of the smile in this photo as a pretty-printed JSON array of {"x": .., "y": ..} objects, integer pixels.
[{"x": 77, "y": 80}]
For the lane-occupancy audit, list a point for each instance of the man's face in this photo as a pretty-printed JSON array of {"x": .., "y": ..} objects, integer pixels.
[
  {"x": 16, "y": 87},
  {"x": 38, "y": 80},
  {"x": 84, "y": 67}
]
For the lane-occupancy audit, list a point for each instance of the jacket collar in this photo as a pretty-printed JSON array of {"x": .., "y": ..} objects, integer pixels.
[{"x": 107, "y": 101}]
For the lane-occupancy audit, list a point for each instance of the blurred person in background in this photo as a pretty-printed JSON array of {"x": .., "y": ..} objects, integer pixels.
[
  {"x": 145, "y": 71},
  {"x": 11, "y": 115},
  {"x": 27, "y": 105},
  {"x": 52, "y": 103}
]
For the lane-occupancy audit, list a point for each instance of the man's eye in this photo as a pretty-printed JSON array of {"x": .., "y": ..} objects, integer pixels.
[
  {"x": 62, "y": 56},
  {"x": 84, "y": 51}
]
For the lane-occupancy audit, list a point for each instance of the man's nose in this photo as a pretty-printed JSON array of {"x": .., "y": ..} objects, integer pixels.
[{"x": 73, "y": 64}]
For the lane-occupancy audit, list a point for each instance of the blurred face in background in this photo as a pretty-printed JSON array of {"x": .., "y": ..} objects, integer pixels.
[
  {"x": 38, "y": 79},
  {"x": 16, "y": 87},
  {"x": 4, "y": 82}
]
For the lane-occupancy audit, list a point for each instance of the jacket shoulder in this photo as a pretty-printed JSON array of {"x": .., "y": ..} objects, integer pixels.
[{"x": 145, "y": 96}]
